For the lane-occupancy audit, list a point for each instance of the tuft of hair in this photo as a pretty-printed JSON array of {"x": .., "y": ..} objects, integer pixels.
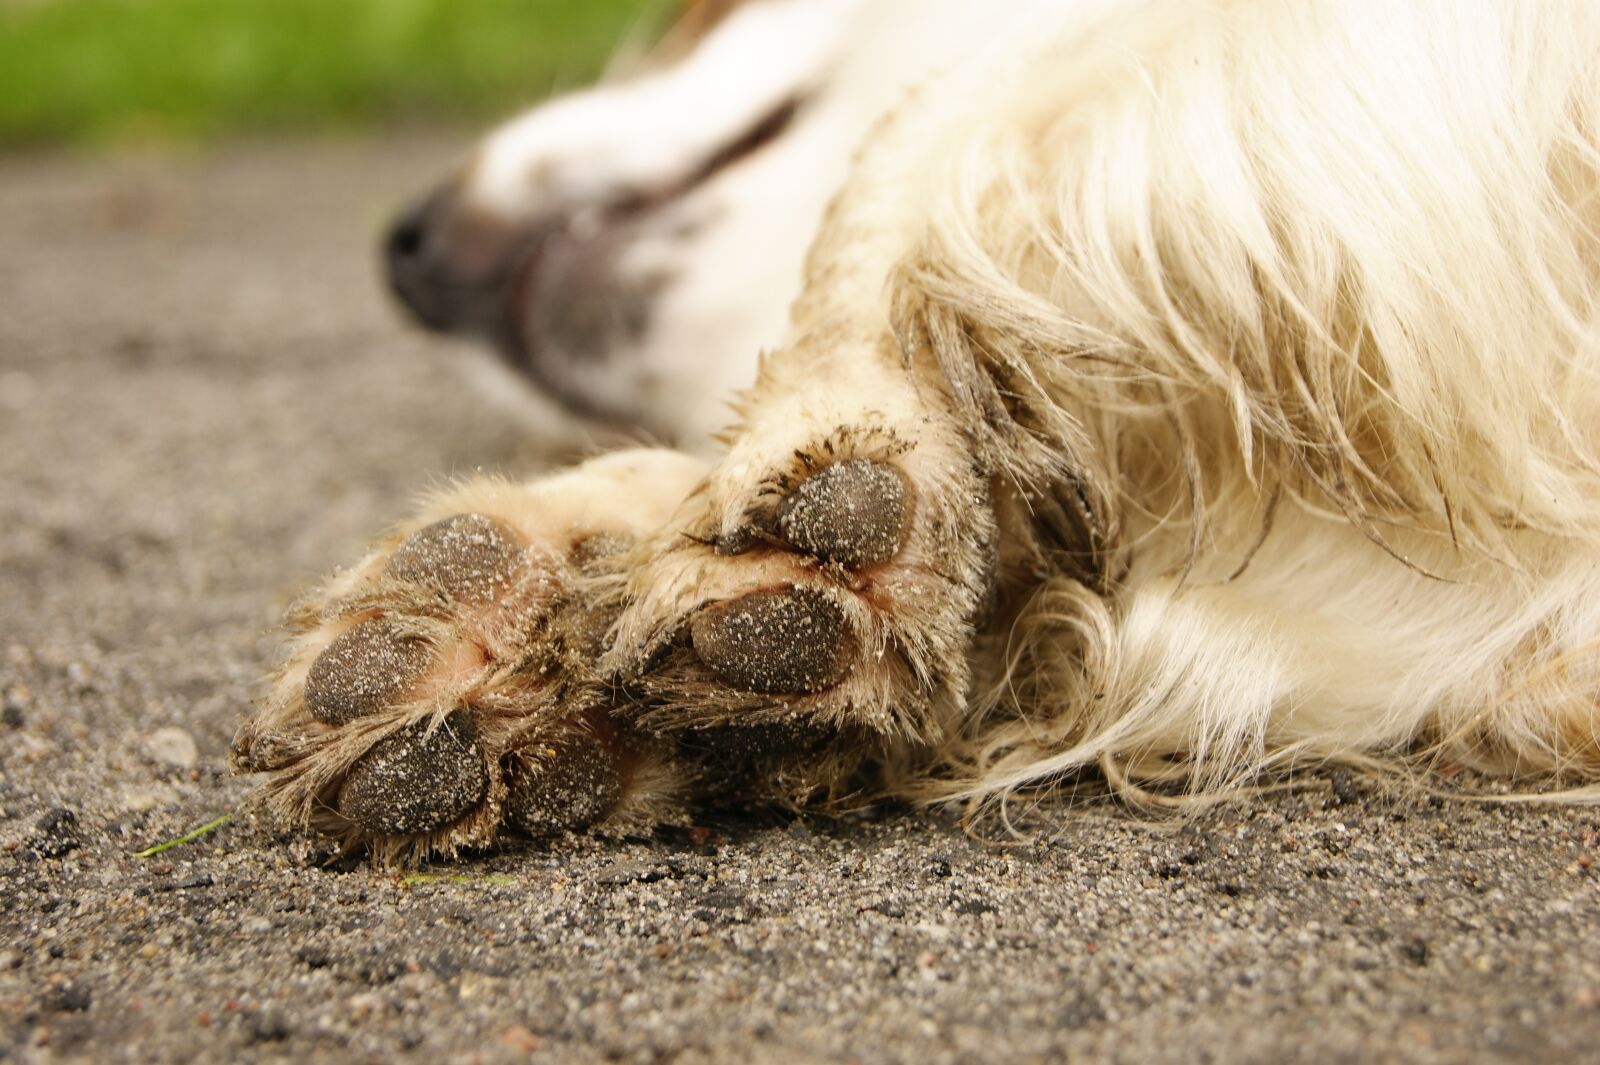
[{"x": 1302, "y": 296}]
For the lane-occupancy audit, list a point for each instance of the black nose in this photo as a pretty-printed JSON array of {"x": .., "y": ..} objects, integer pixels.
[
  {"x": 447, "y": 263},
  {"x": 414, "y": 266},
  {"x": 407, "y": 237}
]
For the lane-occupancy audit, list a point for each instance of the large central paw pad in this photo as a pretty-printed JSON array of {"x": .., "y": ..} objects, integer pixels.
[
  {"x": 794, "y": 641},
  {"x": 444, "y": 688}
]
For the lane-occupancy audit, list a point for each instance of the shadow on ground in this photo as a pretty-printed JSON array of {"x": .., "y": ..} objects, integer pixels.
[{"x": 205, "y": 402}]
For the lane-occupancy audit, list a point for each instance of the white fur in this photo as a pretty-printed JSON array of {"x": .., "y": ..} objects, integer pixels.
[
  {"x": 1334, "y": 253},
  {"x": 1300, "y": 292},
  {"x": 733, "y": 245},
  {"x": 651, "y": 131}
]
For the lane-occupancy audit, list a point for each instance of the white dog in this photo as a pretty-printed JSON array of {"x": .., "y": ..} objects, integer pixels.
[{"x": 1177, "y": 391}]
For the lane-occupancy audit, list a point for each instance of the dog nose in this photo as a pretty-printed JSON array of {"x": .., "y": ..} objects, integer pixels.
[
  {"x": 414, "y": 267},
  {"x": 407, "y": 236}
]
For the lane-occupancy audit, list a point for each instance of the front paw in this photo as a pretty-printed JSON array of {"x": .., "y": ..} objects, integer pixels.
[
  {"x": 443, "y": 690},
  {"x": 828, "y": 602}
]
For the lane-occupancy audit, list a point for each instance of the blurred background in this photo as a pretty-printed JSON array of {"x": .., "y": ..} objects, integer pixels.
[
  {"x": 207, "y": 396},
  {"x": 98, "y": 72}
]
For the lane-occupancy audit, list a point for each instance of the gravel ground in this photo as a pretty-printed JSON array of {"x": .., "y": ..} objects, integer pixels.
[{"x": 204, "y": 402}]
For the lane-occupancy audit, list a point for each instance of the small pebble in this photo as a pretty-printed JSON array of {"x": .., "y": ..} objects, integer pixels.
[
  {"x": 173, "y": 747},
  {"x": 55, "y": 834},
  {"x": 13, "y": 712},
  {"x": 81, "y": 677},
  {"x": 268, "y": 1026},
  {"x": 68, "y": 998},
  {"x": 142, "y": 800},
  {"x": 631, "y": 872}
]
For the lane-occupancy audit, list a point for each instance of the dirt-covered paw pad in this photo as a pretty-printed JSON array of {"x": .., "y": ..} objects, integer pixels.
[
  {"x": 417, "y": 779},
  {"x": 469, "y": 557},
  {"x": 855, "y": 513},
  {"x": 366, "y": 668},
  {"x": 565, "y": 785},
  {"x": 789, "y": 641}
]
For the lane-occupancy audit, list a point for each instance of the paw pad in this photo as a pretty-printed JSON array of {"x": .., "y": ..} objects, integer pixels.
[
  {"x": 468, "y": 557},
  {"x": 789, "y": 642},
  {"x": 563, "y": 787},
  {"x": 365, "y": 669},
  {"x": 417, "y": 779},
  {"x": 855, "y": 513}
]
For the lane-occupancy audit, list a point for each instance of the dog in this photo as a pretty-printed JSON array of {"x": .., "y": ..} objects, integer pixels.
[{"x": 1172, "y": 394}]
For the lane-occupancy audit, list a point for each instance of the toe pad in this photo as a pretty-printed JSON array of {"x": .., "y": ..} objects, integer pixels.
[
  {"x": 561, "y": 788},
  {"x": 854, "y": 513},
  {"x": 364, "y": 670},
  {"x": 468, "y": 557},
  {"x": 789, "y": 642},
  {"x": 416, "y": 779}
]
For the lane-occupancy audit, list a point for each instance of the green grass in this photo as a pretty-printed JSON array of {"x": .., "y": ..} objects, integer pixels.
[
  {"x": 97, "y": 70},
  {"x": 187, "y": 837},
  {"x": 491, "y": 880}
]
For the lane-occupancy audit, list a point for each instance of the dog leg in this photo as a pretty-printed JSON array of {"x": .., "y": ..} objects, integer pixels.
[{"x": 818, "y": 595}]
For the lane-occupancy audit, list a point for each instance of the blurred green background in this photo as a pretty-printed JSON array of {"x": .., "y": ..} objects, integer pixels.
[{"x": 97, "y": 71}]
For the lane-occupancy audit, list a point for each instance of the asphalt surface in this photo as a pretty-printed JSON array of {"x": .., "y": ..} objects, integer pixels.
[{"x": 205, "y": 401}]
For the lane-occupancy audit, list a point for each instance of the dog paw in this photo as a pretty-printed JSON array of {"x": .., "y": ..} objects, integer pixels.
[
  {"x": 824, "y": 602},
  {"x": 443, "y": 690}
]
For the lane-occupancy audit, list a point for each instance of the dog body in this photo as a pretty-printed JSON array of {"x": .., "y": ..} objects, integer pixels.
[{"x": 1181, "y": 390}]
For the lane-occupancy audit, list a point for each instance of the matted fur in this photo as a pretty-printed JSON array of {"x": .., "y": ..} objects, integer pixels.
[{"x": 1293, "y": 304}]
